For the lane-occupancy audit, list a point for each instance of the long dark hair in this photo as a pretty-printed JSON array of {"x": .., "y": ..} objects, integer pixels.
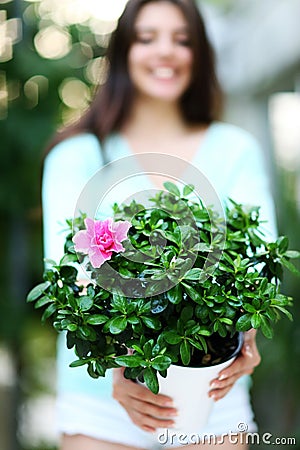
[{"x": 200, "y": 104}]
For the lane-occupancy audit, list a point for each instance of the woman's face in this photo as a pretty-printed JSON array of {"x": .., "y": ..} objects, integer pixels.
[{"x": 160, "y": 58}]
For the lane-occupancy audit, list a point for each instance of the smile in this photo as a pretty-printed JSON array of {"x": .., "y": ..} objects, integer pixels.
[{"x": 165, "y": 73}]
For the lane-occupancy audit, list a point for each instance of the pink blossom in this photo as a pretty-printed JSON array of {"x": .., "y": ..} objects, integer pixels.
[{"x": 100, "y": 239}]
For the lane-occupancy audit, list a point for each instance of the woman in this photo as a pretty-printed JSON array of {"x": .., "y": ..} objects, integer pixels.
[{"x": 161, "y": 96}]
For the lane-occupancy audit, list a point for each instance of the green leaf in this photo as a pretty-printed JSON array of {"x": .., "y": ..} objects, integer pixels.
[
  {"x": 161, "y": 362},
  {"x": 288, "y": 265},
  {"x": 283, "y": 244},
  {"x": 266, "y": 328},
  {"x": 188, "y": 189},
  {"x": 195, "y": 295},
  {"x": 68, "y": 258},
  {"x": 85, "y": 303},
  {"x": 72, "y": 302},
  {"x": 171, "y": 337},
  {"x": 49, "y": 262},
  {"x": 68, "y": 274},
  {"x": 171, "y": 187},
  {"x": 226, "y": 320},
  {"x": 175, "y": 294},
  {"x": 137, "y": 349},
  {"x": 202, "y": 247},
  {"x": 203, "y": 343},
  {"x": 148, "y": 350},
  {"x": 132, "y": 373},
  {"x": 292, "y": 254},
  {"x": 256, "y": 320},
  {"x": 49, "y": 311},
  {"x": 151, "y": 322},
  {"x": 244, "y": 323},
  {"x": 97, "y": 319},
  {"x": 220, "y": 328},
  {"x": 151, "y": 380},
  {"x": 130, "y": 361},
  {"x": 193, "y": 274},
  {"x": 37, "y": 291},
  {"x": 284, "y": 311},
  {"x": 185, "y": 352},
  {"x": 43, "y": 301},
  {"x": 100, "y": 369},
  {"x": 118, "y": 324},
  {"x": 91, "y": 371},
  {"x": 78, "y": 363},
  {"x": 171, "y": 237},
  {"x": 87, "y": 333},
  {"x": 134, "y": 320}
]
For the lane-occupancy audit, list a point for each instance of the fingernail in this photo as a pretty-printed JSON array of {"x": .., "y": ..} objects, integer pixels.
[
  {"x": 148, "y": 429},
  {"x": 248, "y": 350},
  {"x": 169, "y": 403},
  {"x": 214, "y": 385},
  {"x": 222, "y": 377},
  {"x": 170, "y": 424}
]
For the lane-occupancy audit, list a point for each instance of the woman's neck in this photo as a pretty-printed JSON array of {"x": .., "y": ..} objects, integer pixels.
[
  {"x": 150, "y": 116},
  {"x": 157, "y": 127}
]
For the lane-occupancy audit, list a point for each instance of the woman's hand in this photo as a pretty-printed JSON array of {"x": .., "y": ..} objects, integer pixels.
[
  {"x": 244, "y": 364},
  {"x": 146, "y": 410}
]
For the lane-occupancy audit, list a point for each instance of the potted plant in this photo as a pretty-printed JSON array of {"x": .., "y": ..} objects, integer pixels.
[{"x": 170, "y": 285}]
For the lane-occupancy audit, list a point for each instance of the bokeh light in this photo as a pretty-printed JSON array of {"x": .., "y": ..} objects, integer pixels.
[
  {"x": 34, "y": 88},
  {"x": 74, "y": 93},
  {"x": 96, "y": 70},
  {"x": 102, "y": 9},
  {"x": 10, "y": 34},
  {"x": 67, "y": 12},
  {"x": 52, "y": 42},
  {"x": 284, "y": 110},
  {"x": 3, "y": 95}
]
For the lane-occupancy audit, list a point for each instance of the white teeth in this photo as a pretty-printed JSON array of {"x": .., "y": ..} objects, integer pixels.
[{"x": 164, "y": 72}]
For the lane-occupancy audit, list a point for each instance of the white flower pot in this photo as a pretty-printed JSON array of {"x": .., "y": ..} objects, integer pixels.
[{"x": 189, "y": 387}]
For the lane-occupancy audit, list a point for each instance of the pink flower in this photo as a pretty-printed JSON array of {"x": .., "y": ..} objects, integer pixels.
[{"x": 100, "y": 239}]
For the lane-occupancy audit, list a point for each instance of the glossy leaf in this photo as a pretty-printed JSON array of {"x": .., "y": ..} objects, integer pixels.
[
  {"x": 117, "y": 325},
  {"x": 151, "y": 380},
  {"x": 37, "y": 291}
]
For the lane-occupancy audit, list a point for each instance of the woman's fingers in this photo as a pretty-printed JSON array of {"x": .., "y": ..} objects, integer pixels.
[
  {"x": 219, "y": 388},
  {"x": 145, "y": 414},
  {"x": 244, "y": 364},
  {"x": 147, "y": 410},
  {"x": 144, "y": 420},
  {"x": 123, "y": 387},
  {"x": 248, "y": 359}
]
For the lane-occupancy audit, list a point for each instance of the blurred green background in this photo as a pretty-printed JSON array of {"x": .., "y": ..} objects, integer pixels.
[{"x": 52, "y": 56}]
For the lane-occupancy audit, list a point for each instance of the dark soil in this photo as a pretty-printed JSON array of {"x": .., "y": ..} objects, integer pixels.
[{"x": 219, "y": 350}]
